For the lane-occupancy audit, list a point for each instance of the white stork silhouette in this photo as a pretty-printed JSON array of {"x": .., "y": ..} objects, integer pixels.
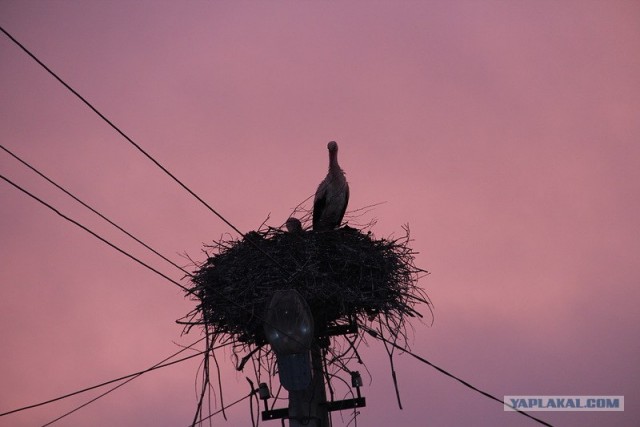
[{"x": 332, "y": 195}]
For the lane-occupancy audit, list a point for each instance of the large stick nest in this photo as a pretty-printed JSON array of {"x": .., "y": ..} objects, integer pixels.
[{"x": 343, "y": 274}]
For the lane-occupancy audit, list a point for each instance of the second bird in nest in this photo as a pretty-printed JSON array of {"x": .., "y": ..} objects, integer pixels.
[{"x": 332, "y": 195}]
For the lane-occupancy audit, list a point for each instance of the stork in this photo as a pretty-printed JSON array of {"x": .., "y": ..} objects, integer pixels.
[
  {"x": 332, "y": 195},
  {"x": 293, "y": 225}
]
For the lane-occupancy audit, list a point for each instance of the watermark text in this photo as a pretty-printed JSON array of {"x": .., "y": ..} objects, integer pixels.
[{"x": 564, "y": 403}]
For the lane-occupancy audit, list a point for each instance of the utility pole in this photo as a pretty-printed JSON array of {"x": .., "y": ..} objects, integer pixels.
[
  {"x": 299, "y": 355},
  {"x": 308, "y": 408}
]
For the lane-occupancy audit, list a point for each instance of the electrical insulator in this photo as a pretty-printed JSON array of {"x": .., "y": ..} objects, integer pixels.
[
  {"x": 263, "y": 391},
  {"x": 356, "y": 379}
]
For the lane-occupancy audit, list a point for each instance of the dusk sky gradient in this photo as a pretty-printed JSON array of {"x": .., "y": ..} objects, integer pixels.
[{"x": 505, "y": 133}]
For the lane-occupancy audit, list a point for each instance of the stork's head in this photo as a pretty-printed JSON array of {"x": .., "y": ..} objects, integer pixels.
[
  {"x": 294, "y": 225},
  {"x": 333, "y": 147}
]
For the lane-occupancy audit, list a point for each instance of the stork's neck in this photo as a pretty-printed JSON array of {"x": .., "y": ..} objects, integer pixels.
[{"x": 333, "y": 162}]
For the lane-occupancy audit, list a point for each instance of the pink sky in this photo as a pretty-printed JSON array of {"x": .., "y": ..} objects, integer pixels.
[{"x": 505, "y": 134}]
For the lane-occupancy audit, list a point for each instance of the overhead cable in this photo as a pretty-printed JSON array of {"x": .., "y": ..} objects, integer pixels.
[
  {"x": 15, "y": 156},
  {"x": 162, "y": 364},
  {"x": 379, "y": 336}
]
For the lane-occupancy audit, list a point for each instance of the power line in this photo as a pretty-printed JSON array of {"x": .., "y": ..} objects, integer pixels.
[
  {"x": 15, "y": 156},
  {"x": 158, "y": 365},
  {"x": 225, "y": 408},
  {"x": 377, "y": 335},
  {"x": 122, "y": 251},
  {"x": 132, "y": 142},
  {"x": 136, "y": 375}
]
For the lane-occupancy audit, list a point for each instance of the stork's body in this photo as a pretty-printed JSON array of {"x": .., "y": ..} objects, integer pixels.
[{"x": 332, "y": 195}]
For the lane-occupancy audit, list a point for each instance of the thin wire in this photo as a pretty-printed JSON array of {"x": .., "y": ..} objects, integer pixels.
[
  {"x": 125, "y": 136},
  {"x": 116, "y": 128},
  {"x": 94, "y": 234},
  {"x": 158, "y": 365},
  {"x": 133, "y": 378},
  {"x": 376, "y": 335},
  {"x": 224, "y": 408},
  {"x": 15, "y": 156}
]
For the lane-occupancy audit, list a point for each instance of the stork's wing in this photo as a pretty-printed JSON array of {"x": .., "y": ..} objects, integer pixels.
[
  {"x": 346, "y": 202},
  {"x": 318, "y": 206}
]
